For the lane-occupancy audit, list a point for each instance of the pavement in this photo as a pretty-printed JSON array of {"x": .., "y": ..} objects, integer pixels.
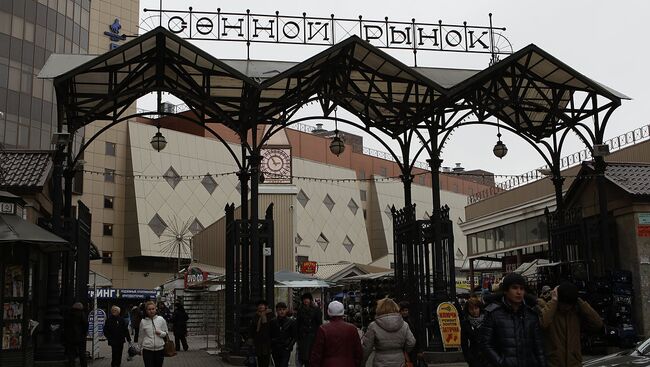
[{"x": 202, "y": 353}]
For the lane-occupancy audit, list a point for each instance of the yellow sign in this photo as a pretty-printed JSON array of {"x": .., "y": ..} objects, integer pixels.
[{"x": 449, "y": 325}]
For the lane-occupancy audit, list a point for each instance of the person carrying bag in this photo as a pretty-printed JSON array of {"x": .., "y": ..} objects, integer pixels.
[{"x": 154, "y": 339}]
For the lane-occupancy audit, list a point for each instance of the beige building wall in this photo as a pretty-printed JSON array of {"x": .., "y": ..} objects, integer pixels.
[
  {"x": 103, "y": 13},
  {"x": 343, "y": 227},
  {"x": 391, "y": 193}
]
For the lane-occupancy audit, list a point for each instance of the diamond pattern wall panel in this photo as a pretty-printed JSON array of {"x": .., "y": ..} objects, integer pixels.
[
  {"x": 209, "y": 183},
  {"x": 329, "y": 203},
  {"x": 323, "y": 242},
  {"x": 348, "y": 244},
  {"x": 157, "y": 225},
  {"x": 298, "y": 239},
  {"x": 388, "y": 212},
  {"x": 238, "y": 187},
  {"x": 196, "y": 226},
  {"x": 172, "y": 177},
  {"x": 352, "y": 205},
  {"x": 302, "y": 198}
]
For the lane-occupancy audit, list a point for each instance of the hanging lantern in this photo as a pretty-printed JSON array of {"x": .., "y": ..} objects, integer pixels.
[
  {"x": 500, "y": 150},
  {"x": 158, "y": 142},
  {"x": 337, "y": 146}
]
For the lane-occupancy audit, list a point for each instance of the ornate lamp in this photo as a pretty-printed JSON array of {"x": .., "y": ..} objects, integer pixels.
[
  {"x": 337, "y": 146},
  {"x": 500, "y": 150},
  {"x": 158, "y": 142}
]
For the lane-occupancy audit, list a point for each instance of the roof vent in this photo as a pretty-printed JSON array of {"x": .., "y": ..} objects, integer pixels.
[
  {"x": 319, "y": 130},
  {"x": 458, "y": 168}
]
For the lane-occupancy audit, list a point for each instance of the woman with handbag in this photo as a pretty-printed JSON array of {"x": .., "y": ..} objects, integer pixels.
[
  {"x": 388, "y": 336},
  {"x": 153, "y": 336}
]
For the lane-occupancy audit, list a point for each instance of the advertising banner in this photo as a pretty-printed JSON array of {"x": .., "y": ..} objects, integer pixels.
[{"x": 449, "y": 325}]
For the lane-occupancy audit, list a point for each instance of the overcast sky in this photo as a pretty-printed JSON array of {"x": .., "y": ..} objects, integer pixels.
[{"x": 605, "y": 40}]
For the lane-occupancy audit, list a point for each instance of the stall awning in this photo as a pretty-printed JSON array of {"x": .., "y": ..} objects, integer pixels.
[
  {"x": 98, "y": 280},
  {"x": 15, "y": 230},
  {"x": 288, "y": 279}
]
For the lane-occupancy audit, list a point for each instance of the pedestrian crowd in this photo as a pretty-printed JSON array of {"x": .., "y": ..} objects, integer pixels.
[
  {"x": 515, "y": 328},
  {"x": 508, "y": 328}
]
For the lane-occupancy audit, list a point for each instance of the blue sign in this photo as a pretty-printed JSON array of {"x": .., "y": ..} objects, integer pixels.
[
  {"x": 129, "y": 293},
  {"x": 114, "y": 34},
  {"x": 101, "y": 320}
]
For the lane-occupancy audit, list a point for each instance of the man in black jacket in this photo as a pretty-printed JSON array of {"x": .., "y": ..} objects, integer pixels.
[
  {"x": 283, "y": 331},
  {"x": 116, "y": 332},
  {"x": 510, "y": 334},
  {"x": 308, "y": 321},
  {"x": 75, "y": 328}
]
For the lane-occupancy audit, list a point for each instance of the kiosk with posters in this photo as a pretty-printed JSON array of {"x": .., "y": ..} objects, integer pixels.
[{"x": 24, "y": 248}]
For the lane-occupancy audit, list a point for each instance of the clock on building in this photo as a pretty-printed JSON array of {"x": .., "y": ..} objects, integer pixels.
[{"x": 276, "y": 165}]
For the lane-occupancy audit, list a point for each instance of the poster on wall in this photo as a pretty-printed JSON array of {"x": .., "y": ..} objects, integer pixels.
[
  {"x": 12, "y": 336},
  {"x": 449, "y": 325},
  {"x": 12, "y": 311},
  {"x": 14, "y": 281}
]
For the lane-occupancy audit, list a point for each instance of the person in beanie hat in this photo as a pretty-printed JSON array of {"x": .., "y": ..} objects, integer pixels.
[
  {"x": 510, "y": 334},
  {"x": 562, "y": 319},
  {"x": 308, "y": 321},
  {"x": 337, "y": 343},
  {"x": 283, "y": 331}
]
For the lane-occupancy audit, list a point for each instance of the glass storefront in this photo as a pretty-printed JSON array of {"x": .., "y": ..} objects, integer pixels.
[{"x": 525, "y": 232}]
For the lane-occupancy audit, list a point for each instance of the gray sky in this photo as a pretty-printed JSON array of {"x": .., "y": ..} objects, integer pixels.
[{"x": 604, "y": 40}]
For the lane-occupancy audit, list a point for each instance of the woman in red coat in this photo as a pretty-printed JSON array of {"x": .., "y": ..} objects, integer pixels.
[{"x": 337, "y": 343}]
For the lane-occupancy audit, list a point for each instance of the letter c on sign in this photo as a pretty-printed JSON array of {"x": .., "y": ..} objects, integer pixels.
[{"x": 176, "y": 24}]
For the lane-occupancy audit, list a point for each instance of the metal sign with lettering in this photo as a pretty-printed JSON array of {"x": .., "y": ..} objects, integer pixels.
[{"x": 307, "y": 30}]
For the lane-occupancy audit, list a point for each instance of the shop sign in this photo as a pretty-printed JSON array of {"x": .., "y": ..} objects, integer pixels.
[
  {"x": 309, "y": 267},
  {"x": 101, "y": 320},
  {"x": 127, "y": 293},
  {"x": 195, "y": 276},
  {"x": 449, "y": 325},
  {"x": 114, "y": 35},
  {"x": 137, "y": 293},
  {"x": 326, "y": 31}
]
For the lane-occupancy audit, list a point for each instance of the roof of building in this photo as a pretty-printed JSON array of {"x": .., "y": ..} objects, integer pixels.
[
  {"x": 25, "y": 169},
  {"x": 634, "y": 178},
  {"x": 339, "y": 270},
  {"x": 16, "y": 230},
  {"x": 631, "y": 177}
]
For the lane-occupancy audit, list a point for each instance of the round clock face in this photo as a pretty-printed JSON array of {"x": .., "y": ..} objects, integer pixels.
[{"x": 277, "y": 163}]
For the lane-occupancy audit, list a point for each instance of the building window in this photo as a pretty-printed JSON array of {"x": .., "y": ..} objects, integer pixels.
[
  {"x": 108, "y": 202},
  {"x": 422, "y": 179},
  {"x": 362, "y": 194},
  {"x": 110, "y": 149},
  {"x": 107, "y": 257},
  {"x": 362, "y": 174},
  {"x": 108, "y": 229},
  {"x": 383, "y": 171},
  {"x": 109, "y": 175}
]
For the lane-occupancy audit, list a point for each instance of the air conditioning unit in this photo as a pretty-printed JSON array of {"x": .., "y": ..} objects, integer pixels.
[
  {"x": 601, "y": 150},
  {"x": 168, "y": 107}
]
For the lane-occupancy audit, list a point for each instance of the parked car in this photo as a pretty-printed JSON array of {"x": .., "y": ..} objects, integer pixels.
[{"x": 639, "y": 356}]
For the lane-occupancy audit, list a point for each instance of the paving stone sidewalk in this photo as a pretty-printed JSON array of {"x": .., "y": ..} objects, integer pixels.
[{"x": 201, "y": 354}]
